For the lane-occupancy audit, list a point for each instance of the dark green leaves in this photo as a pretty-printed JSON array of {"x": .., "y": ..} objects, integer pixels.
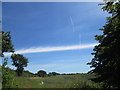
[
  {"x": 20, "y": 62},
  {"x": 7, "y": 45},
  {"x": 106, "y": 61}
]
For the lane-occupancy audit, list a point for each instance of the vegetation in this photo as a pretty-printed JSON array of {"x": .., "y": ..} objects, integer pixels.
[
  {"x": 42, "y": 73},
  {"x": 20, "y": 62},
  {"x": 69, "y": 81},
  {"x": 106, "y": 64},
  {"x": 53, "y": 74},
  {"x": 106, "y": 61},
  {"x": 28, "y": 80},
  {"x": 7, "y": 45},
  {"x": 0, "y": 43},
  {"x": 10, "y": 77}
]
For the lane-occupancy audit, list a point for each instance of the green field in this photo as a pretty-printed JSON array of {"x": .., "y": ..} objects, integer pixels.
[{"x": 59, "y": 81}]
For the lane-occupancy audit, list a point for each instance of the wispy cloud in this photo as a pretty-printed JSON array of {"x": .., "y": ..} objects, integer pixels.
[
  {"x": 71, "y": 20},
  {"x": 51, "y": 49}
]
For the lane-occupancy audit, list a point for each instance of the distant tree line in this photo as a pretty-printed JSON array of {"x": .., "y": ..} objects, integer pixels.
[{"x": 43, "y": 73}]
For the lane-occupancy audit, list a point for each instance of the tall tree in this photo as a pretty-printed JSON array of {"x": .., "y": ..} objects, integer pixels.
[
  {"x": 20, "y": 62},
  {"x": 5, "y": 43},
  {"x": 1, "y": 43},
  {"x": 106, "y": 61}
]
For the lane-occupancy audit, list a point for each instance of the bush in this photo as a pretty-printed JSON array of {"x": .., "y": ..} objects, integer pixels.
[
  {"x": 42, "y": 73},
  {"x": 7, "y": 78}
]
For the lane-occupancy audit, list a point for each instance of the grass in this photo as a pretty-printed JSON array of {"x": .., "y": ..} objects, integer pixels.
[
  {"x": 59, "y": 81},
  {"x": 26, "y": 82}
]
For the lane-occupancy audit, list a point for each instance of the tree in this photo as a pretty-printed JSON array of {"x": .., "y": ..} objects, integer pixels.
[
  {"x": 106, "y": 61},
  {"x": 6, "y": 44},
  {"x": 7, "y": 77},
  {"x": 20, "y": 62},
  {"x": 1, "y": 44},
  {"x": 53, "y": 74},
  {"x": 41, "y": 73}
]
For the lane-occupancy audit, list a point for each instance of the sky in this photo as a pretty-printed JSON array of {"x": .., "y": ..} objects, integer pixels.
[
  {"x": 54, "y": 36},
  {"x": 53, "y": 0}
]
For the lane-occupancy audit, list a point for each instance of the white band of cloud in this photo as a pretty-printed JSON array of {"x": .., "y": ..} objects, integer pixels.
[
  {"x": 52, "y": 0},
  {"x": 51, "y": 49}
]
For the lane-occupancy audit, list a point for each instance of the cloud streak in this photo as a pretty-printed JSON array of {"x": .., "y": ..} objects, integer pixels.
[
  {"x": 51, "y": 49},
  {"x": 71, "y": 20}
]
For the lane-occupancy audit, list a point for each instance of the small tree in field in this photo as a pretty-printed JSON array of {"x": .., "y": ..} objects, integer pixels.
[
  {"x": 20, "y": 62},
  {"x": 42, "y": 73}
]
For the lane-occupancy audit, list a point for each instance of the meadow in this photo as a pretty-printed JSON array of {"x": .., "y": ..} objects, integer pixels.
[{"x": 58, "y": 81}]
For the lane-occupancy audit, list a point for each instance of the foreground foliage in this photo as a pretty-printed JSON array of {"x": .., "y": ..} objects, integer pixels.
[
  {"x": 6, "y": 46},
  {"x": 10, "y": 78},
  {"x": 106, "y": 61}
]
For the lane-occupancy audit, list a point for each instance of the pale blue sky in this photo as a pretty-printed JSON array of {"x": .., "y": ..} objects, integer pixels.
[{"x": 50, "y": 25}]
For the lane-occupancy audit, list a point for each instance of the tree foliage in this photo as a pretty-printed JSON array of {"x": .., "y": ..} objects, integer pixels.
[
  {"x": 6, "y": 46},
  {"x": 0, "y": 43},
  {"x": 53, "y": 74},
  {"x": 41, "y": 73},
  {"x": 106, "y": 61},
  {"x": 6, "y": 43},
  {"x": 20, "y": 62},
  {"x": 7, "y": 77}
]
